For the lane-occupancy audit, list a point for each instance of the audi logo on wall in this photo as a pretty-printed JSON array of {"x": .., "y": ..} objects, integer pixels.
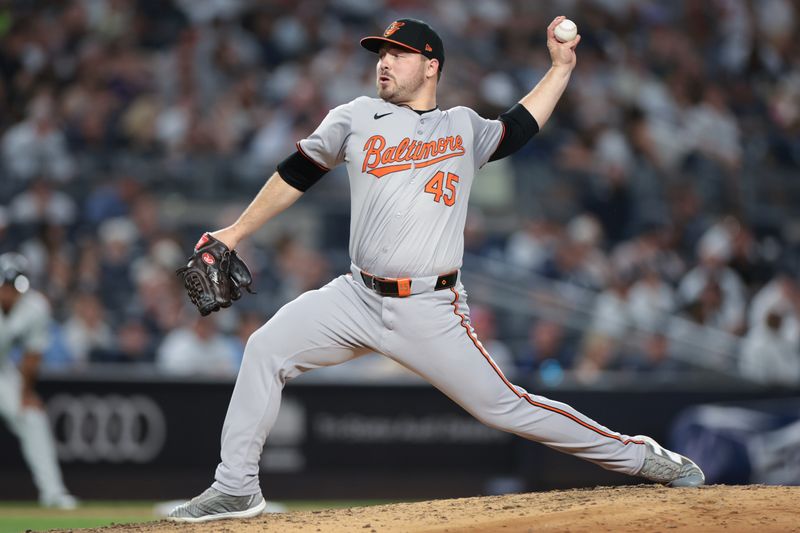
[{"x": 108, "y": 428}]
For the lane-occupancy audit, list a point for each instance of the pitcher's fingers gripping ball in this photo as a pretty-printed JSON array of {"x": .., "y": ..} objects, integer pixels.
[{"x": 565, "y": 31}]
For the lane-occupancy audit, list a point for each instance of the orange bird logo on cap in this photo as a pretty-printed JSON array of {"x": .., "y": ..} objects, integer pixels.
[{"x": 393, "y": 27}]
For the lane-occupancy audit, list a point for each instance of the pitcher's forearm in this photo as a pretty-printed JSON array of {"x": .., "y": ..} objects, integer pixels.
[
  {"x": 274, "y": 197},
  {"x": 541, "y": 101}
]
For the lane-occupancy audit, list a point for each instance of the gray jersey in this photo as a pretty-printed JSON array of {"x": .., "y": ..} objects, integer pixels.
[
  {"x": 410, "y": 178},
  {"x": 25, "y": 326}
]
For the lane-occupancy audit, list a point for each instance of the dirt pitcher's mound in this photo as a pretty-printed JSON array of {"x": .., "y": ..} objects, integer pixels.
[{"x": 633, "y": 508}]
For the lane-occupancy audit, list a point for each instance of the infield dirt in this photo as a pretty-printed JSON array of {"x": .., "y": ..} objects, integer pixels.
[{"x": 648, "y": 508}]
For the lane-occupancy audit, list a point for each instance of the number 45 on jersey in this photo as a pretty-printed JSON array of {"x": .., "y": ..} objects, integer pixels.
[{"x": 437, "y": 186}]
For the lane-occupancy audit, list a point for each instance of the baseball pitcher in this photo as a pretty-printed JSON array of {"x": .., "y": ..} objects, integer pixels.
[
  {"x": 411, "y": 166},
  {"x": 24, "y": 320}
]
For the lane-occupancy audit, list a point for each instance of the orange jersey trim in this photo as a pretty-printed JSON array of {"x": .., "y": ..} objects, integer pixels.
[
  {"x": 321, "y": 167},
  {"x": 526, "y": 397}
]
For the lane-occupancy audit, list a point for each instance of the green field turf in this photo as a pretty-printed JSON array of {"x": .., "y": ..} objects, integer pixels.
[{"x": 18, "y": 517}]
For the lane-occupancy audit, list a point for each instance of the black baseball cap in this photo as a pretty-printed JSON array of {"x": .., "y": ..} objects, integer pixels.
[{"x": 412, "y": 34}]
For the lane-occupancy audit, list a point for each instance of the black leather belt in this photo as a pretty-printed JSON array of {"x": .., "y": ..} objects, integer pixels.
[{"x": 401, "y": 287}]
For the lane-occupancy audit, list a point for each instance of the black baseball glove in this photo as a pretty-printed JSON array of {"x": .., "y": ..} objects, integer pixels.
[{"x": 214, "y": 275}]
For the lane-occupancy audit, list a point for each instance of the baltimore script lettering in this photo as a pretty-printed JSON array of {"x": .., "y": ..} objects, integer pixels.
[{"x": 382, "y": 161}]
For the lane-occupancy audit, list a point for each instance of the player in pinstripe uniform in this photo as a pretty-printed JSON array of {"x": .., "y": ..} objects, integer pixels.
[{"x": 24, "y": 321}]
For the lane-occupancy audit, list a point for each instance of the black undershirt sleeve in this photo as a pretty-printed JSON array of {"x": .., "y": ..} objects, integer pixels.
[
  {"x": 300, "y": 172},
  {"x": 520, "y": 126}
]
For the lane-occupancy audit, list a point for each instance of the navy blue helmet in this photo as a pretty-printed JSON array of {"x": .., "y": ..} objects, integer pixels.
[{"x": 13, "y": 271}]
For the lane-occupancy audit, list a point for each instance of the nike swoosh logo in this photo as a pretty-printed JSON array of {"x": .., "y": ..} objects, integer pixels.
[{"x": 377, "y": 116}]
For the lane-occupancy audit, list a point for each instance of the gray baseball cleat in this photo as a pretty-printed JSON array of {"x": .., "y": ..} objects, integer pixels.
[
  {"x": 215, "y": 505},
  {"x": 63, "y": 501},
  {"x": 667, "y": 467}
]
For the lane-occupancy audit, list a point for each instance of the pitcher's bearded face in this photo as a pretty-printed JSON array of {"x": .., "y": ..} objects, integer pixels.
[{"x": 400, "y": 74}]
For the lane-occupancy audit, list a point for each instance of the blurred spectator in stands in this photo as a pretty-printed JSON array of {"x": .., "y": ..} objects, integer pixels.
[
  {"x": 197, "y": 348},
  {"x": 87, "y": 271},
  {"x": 147, "y": 217},
  {"x": 206, "y": 11},
  {"x": 134, "y": 344},
  {"x": 269, "y": 145},
  {"x": 578, "y": 258},
  {"x": 650, "y": 353},
  {"x": 533, "y": 244},
  {"x": 611, "y": 321},
  {"x": 643, "y": 144},
  {"x": 164, "y": 252},
  {"x": 483, "y": 320},
  {"x": 781, "y": 296},
  {"x": 174, "y": 124},
  {"x": 36, "y": 146},
  {"x": 567, "y": 265},
  {"x": 547, "y": 354},
  {"x": 301, "y": 268},
  {"x": 226, "y": 54},
  {"x": 90, "y": 107},
  {"x": 784, "y": 108},
  {"x": 86, "y": 331},
  {"x": 476, "y": 239},
  {"x": 715, "y": 289},
  {"x": 59, "y": 281},
  {"x": 767, "y": 357},
  {"x": 712, "y": 130},
  {"x": 111, "y": 19},
  {"x": 609, "y": 196},
  {"x": 42, "y": 203},
  {"x": 688, "y": 216},
  {"x": 6, "y": 243},
  {"x": 706, "y": 308},
  {"x": 714, "y": 151},
  {"x": 117, "y": 238},
  {"x": 341, "y": 77},
  {"x": 651, "y": 300},
  {"x": 42, "y": 243},
  {"x": 158, "y": 297},
  {"x": 750, "y": 259},
  {"x": 111, "y": 199},
  {"x": 650, "y": 249},
  {"x": 236, "y": 116},
  {"x": 587, "y": 233},
  {"x": 138, "y": 124}
]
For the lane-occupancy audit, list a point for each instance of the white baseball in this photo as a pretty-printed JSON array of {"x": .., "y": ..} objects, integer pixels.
[{"x": 566, "y": 31}]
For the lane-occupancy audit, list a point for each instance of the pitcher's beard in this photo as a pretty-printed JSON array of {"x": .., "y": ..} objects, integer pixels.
[
  {"x": 396, "y": 93},
  {"x": 386, "y": 93}
]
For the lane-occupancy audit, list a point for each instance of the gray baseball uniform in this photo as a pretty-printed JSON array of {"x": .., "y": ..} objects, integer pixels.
[
  {"x": 410, "y": 178},
  {"x": 26, "y": 326}
]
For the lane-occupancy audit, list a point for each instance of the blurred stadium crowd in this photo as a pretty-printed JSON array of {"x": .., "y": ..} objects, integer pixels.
[{"x": 663, "y": 182}]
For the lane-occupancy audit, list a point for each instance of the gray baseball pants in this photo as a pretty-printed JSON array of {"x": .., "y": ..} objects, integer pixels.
[{"x": 428, "y": 333}]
